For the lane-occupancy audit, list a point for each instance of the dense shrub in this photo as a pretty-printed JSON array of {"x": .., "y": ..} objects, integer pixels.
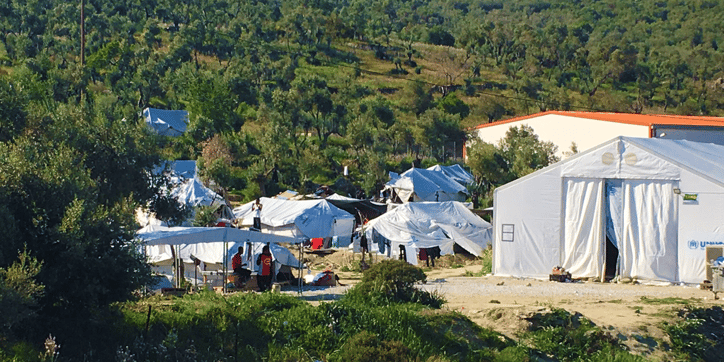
[
  {"x": 697, "y": 334},
  {"x": 365, "y": 346},
  {"x": 570, "y": 337},
  {"x": 394, "y": 281}
]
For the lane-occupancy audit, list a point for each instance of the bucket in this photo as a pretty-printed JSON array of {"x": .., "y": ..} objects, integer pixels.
[{"x": 276, "y": 288}]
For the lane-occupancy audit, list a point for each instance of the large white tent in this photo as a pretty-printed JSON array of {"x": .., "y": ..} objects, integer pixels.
[
  {"x": 419, "y": 184},
  {"x": 429, "y": 224},
  {"x": 631, "y": 207},
  {"x": 299, "y": 219}
]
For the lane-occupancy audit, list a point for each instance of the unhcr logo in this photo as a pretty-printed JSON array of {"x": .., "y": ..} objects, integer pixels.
[{"x": 695, "y": 244}]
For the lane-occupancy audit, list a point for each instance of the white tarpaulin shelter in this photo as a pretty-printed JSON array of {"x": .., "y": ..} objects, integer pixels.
[
  {"x": 299, "y": 219},
  {"x": 429, "y": 224},
  {"x": 187, "y": 190},
  {"x": 212, "y": 245},
  {"x": 631, "y": 207},
  {"x": 418, "y": 184},
  {"x": 193, "y": 193},
  {"x": 165, "y": 122},
  {"x": 455, "y": 172}
]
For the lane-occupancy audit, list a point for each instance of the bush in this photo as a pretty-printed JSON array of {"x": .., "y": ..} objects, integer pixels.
[
  {"x": 695, "y": 334},
  {"x": 365, "y": 346},
  {"x": 394, "y": 281},
  {"x": 570, "y": 337}
]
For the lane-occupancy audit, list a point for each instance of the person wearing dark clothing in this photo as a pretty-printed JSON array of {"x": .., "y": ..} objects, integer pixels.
[
  {"x": 403, "y": 253},
  {"x": 238, "y": 267},
  {"x": 264, "y": 278}
]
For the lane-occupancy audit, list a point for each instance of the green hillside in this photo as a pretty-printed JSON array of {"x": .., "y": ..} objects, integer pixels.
[{"x": 284, "y": 95}]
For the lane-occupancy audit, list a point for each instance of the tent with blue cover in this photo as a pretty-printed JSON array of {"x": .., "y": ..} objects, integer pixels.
[{"x": 166, "y": 122}]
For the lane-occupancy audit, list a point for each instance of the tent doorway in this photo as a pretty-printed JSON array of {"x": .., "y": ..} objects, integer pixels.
[
  {"x": 614, "y": 226},
  {"x": 611, "y": 268}
]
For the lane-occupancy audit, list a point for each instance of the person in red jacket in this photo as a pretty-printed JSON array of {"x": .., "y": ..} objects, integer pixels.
[
  {"x": 264, "y": 278},
  {"x": 238, "y": 266}
]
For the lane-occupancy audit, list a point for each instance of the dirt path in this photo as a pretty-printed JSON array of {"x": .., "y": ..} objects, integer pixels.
[{"x": 633, "y": 313}]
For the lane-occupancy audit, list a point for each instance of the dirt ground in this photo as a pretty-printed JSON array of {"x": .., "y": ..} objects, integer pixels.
[{"x": 632, "y": 312}]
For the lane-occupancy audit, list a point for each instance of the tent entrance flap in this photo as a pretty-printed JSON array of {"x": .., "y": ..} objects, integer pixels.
[
  {"x": 583, "y": 227},
  {"x": 650, "y": 233}
]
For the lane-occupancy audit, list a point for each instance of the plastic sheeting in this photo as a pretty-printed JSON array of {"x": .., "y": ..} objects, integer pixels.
[
  {"x": 455, "y": 172},
  {"x": 300, "y": 219},
  {"x": 207, "y": 244},
  {"x": 165, "y": 122},
  {"x": 193, "y": 193},
  {"x": 430, "y": 224},
  {"x": 418, "y": 184}
]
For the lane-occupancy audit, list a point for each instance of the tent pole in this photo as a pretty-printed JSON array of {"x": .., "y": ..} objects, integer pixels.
[
  {"x": 299, "y": 282},
  {"x": 225, "y": 264}
]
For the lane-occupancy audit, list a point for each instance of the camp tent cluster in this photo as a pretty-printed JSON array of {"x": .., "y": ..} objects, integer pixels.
[
  {"x": 442, "y": 224},
  {"x": 635, "y": 208}
]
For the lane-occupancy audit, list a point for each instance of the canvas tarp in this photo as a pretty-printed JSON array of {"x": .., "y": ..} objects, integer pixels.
[
  {"x": 624, "y": 197},
  {"x": 418, "y": 184},
  {"x": 207, "y": 244},
  {"x": 361, "y": 209},
  {"x": 166, "y": 122},
  {"x": 455, "y": 172},
  {"x": 193, "y": 193},
  {"x": 299, "y": 219},
  {"x": 430, "y": 224}
]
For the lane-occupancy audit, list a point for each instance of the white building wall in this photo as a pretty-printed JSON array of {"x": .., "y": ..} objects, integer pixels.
[
  {"x": 564, "y": 130},
  {"x": 701, "y": 223}
]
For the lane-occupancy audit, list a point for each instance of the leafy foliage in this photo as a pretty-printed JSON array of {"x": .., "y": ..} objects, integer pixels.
[
  {"x": 393, "y": 281},
  {"x": 695, "y": 334},
  {"x": 570, "y": 337}
]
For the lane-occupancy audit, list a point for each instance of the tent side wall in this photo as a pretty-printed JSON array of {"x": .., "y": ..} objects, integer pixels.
[
  {"x": 528, "y": 243},
  {"x": 701, "y": 223}
]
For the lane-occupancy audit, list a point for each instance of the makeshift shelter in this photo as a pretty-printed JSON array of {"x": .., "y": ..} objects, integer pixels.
[
  {"x": 214, "y": 246},
  {"x": 299, "y": 219},
  {"x": 193, "y": 193},
  {"x": 361, "y": 209},
  {"x": 418, "y": 225},
  {"x": 631, "y": 207},
  {"x": 455, "y": 172},
  {"x": 165, "y": 122},
  {"x": 418, "y": 184}
]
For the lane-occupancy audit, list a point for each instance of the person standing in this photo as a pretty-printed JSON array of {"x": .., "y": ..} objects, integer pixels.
[
  {"x": 264, "y": 277},
  {"x": 238, "y": 266},
  {"x": 256, "y": 208}
]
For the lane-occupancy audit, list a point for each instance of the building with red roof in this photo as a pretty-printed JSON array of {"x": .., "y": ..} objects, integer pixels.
[{"x": 588, "y": 129}]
